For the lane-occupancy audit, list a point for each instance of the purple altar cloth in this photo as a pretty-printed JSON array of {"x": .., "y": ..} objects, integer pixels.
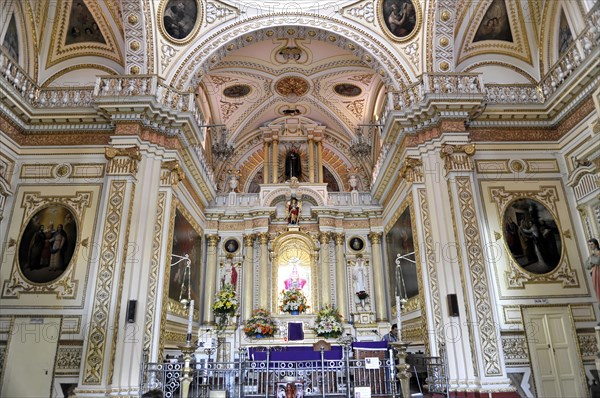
[
  {"x": 370, "y": 345},
  {"x": 294, "y": 354},
  {"x": 295, "y": 331}
]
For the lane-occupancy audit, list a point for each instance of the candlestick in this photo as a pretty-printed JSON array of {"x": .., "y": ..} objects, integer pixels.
[
  {"x": 190, "y": 319},
  {"x": 399, "y": 318}
]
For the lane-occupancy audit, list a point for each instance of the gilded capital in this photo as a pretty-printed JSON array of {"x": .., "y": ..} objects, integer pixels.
[
  {"x": 458, "y": 157},
  {"x": 213, "y": 240},
  {"x": 171, "y": 173},
  {"x": 412, "y": 170},
  {"x": 324, "y": 238},
  {"x": 339, "y": 238},
  {"x": 122, "y": 161},
  {"x": 375, "y": 238},
  {"x": 263, "y": 238},
  {"x": 249, "y": 240}
]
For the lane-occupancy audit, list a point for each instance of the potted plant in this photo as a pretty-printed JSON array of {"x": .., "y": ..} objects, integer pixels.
[
  {"x": 293, "y": 301},
  {"x": 260, "y": 324},
  {"x": 328, "y": 323}
]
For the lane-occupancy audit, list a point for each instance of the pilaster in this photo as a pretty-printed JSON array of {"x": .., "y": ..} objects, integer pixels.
[
  {"x": 211, "y": 277},
  {"x": 340, "y": 276},
  {"x": 380, "y": 311},
  {"x": 324, "y": 239},
  {"x": 248, "y": 276},
  {"x": 263, "y": 271}
]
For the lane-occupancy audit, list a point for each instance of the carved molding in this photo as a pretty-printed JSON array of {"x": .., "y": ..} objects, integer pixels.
[
  {"x": 412, "y": 170},
  {"x": 171, "y": 173},
  {"x": 122, "y": 161},
  {"x": 458, "y": 157}
]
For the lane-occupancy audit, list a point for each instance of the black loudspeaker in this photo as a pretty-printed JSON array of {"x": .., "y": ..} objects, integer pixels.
[
  {"x": 131, "y": 311},
  {"x": 452, "y": 305}
]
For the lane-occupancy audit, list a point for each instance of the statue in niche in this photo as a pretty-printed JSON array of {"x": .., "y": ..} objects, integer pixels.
[
  {"x": 295, "y": 281},
  {"x": 293, "y": 167},
  {"x": 293, "y": 213}
]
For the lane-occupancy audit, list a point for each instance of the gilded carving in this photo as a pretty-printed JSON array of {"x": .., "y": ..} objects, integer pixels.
[
  {"x": 122, "y": 161},
  {"x": 249, "y": 240},
  {"x": 375, "y": 238},
  {"x": 339, "y": 238},
  {"x": 292, "y": 85},
  {"x": 171, "y": 173},
  {"x": 153, "y": 278},
  {"x": 457, "y": 157},
  {"x": 587, "y": 345},
  {"x": 324, "y": 238},
  {"x": 476, "y": 267},
  {"x": 213, "y": 240},
  {"x": 68, "y": 360},
  {"x": 98, "y": 326},
  {"x": 263, "y": 238},
  {"x": 412, "y": 170}
]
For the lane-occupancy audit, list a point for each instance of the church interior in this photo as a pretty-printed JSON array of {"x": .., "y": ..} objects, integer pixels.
[{"x": 199, "y": 187}]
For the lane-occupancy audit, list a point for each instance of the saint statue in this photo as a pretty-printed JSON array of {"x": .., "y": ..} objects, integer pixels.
[
  {"x": 294, "y": 281},
  {"x": 294, "y": 207},
  {"x": 229, "y": 273},
  {"x": 293, "y": 164}
]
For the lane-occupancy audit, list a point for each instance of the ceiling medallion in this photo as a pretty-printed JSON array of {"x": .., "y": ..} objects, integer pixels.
[
  {"x": 347, "y": 89},
  {"x": 237, "y": 91},
  {"x": 292, "y": 86}
]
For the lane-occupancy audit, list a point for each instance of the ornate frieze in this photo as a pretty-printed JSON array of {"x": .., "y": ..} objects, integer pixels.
[
  {"x": 365, "y": 11},
  {"x": 68, "y": 360},
  {"x": 587, "y": 345},
  {"x": 515, "y": 349}
]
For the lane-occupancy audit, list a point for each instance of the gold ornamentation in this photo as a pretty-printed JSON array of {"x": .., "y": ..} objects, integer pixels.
[
  {"x": 98, "y": 327},
  {"x": 497, "y": 235},
  {"x": 249, "y": 39},
  {"x": 11, "y": 242},
  {"x": 350, "y": 46},
  {"x": 269, "y": 33},
  {"x": 356, "y": 107},
  {"x": 153, "y": 277},
  {"x": 213, "y": 240},
  {"x": 516, "y": 166},
  {"x": 172, "y": 174},
  {"x": 412, "y": 170},
  {"x": 263, "y": 238},
  {"x": 476, "y": 268},
  {"x": 291, "y": 31},
  {"x": 567, "y": 234},
  {"x": 587, "y": 345},
  {"x": 312, "y": 33},
  {"x": 457, "y": 157},
  {"x": 249, "y": 240},
  {"x": 375, "y": 238},
  {"x": 292, "y": 85},
  {"x": 85, "y": 242},
  {"x": 445, "y": 15},
  {"x": 444, "y": 66},
  {"x": 135, "y": 70},
  {"x": 444, "y": 41},
  {"x": 339, "y": 238},
  {"x": 62, "y": 170},
  {"x": 122, "y": 161},
  {"x": 68, "y": 360},
  {"x": 324, "y": 238},
  {"x": 132, "y": 19},
  {"x": 135, "y": 45},
  {"x": 515, "y": 349}
]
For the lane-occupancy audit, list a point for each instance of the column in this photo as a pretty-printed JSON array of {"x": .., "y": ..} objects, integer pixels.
[
  {"x": 248, "y": 276},
  {"x": 263, "y": 274},
  {"x": 325, "y": 238},
  {"x": 275, "y": 155},
  {"x": 266, "y": 162},
  {"x": 380, "y": 312},
  {"x": 311, "y": 159},
  {"x": 320, "y": 160},
  {"x": 340, "y": 275},
  {"x": 210, "y": 283}
]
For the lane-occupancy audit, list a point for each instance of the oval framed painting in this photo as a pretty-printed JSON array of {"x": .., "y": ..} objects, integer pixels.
[
  {"x": 179, "y": 20},
  {"x": 532, "y": 236},
  {"x": 399, "y": 19},
  {"x": 47, "y": 244},
  {"x": 356, "y": 244},
  {"x": 231, "y": 246}
]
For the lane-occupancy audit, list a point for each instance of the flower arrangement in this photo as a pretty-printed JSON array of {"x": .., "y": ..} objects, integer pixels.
[
  {"x": 362, "y": 295},
  {"x": 328, "y": 322},
  {"x": 260, "y": 323},
  {"x": 293, "y": 300},
  {"x": 226, "y": 301}
]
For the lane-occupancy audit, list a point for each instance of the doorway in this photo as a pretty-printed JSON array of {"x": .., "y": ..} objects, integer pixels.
[{"x": 555, "y": 358}]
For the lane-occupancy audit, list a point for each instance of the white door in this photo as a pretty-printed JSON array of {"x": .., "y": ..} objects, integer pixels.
[{"x": 554, "y": 355}]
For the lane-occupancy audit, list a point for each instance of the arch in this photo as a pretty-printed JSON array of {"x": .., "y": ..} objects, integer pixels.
[
  {"x": 392, "y": 67},
  {"x": 271, "y": 198},
  {"x": 25, "y": 34}
]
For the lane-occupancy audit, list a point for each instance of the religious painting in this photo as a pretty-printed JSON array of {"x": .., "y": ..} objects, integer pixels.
[
  {"x": 185, "y": 278},
  {"x": 47, "y": 244},
  {"x": 231, "y": 246},
  {"x": 82, "y": 25},
  {"x": 179, "y": 18},
  {"x": 495, "y": 24},
  {"x": 347, "y": 89},
  {"x": 532, "y": 236},
  {"x": 400, "y": 18},
  {"x": 11, "y": 39},
  {"x": 237, "y": 91},
  {"x": 356, "y": 244},
  {"x": 565, "y": 37},
  {"x": 400, "y": 241}
]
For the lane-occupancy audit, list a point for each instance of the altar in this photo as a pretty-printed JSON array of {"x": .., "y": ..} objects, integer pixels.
[{"x": 294, "y": 353}]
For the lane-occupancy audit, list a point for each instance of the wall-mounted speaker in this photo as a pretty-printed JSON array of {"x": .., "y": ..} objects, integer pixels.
[
  {"x": 131, "y": 311},
  {"x": 452, "y": 305}
]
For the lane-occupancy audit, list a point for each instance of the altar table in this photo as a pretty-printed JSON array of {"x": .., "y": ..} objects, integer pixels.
[{"x": 294, "y": 353}]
